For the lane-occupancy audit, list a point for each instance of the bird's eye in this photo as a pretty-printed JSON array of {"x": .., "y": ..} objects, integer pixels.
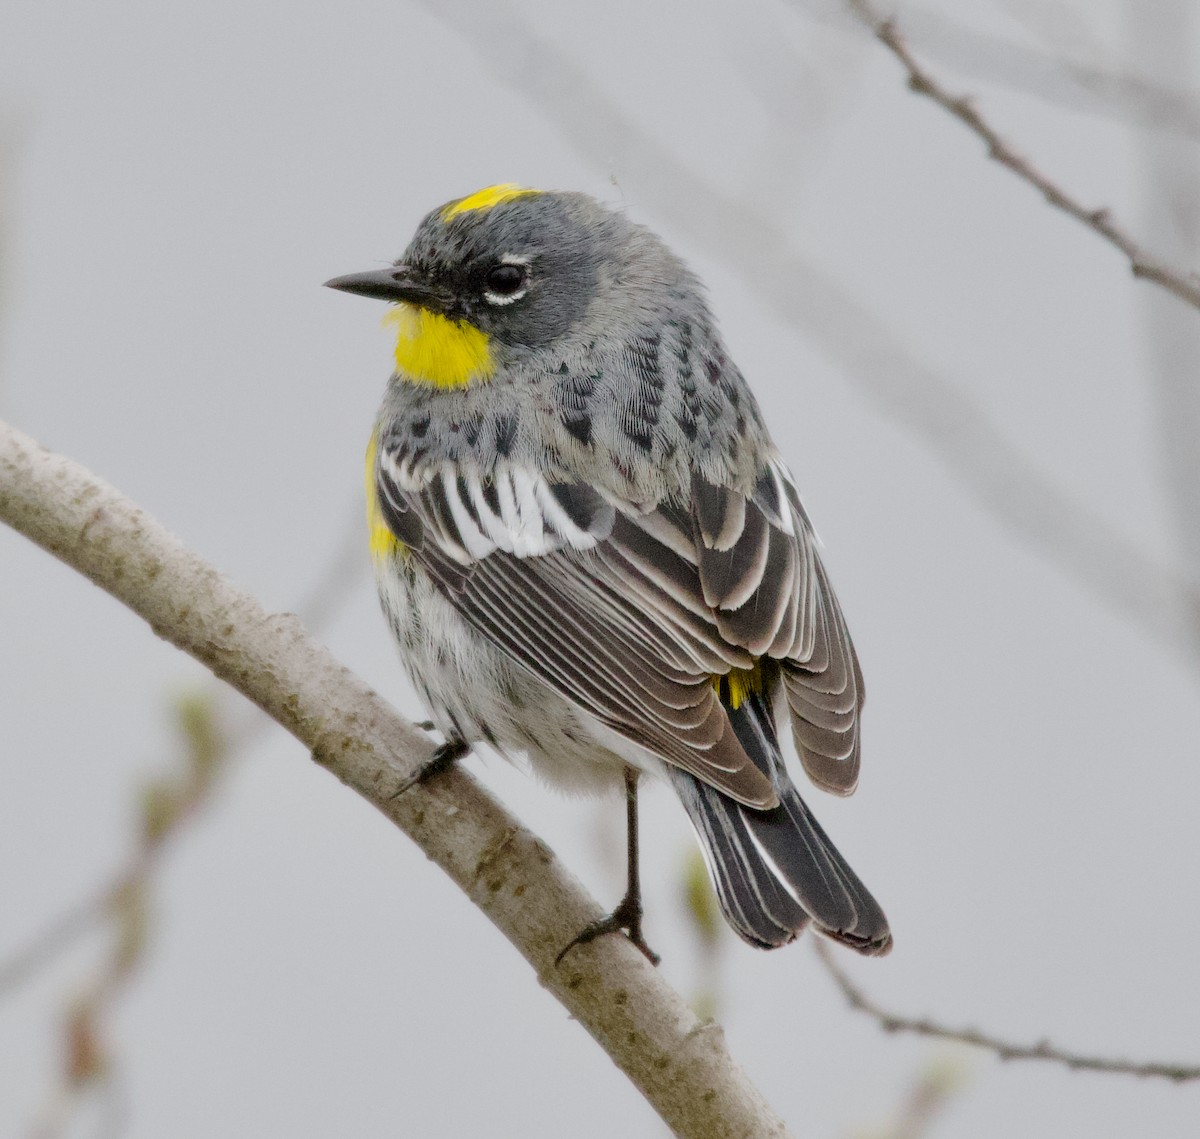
[{"x": 505, "y": 283}]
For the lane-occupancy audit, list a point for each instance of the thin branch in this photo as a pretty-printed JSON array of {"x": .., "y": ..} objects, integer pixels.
[
  {"x": 933, "y": 408},
  {"x": 1006, "y": 1050},
  {"x": 926, "y": 1099},
  {"x": 1054, "y": 76},
  {"x": 329, "y": 590},
  {"x": 1183, "y": 284},
  {"x": 166, "y": 804},
  {"x": 681, "y": 1065}
]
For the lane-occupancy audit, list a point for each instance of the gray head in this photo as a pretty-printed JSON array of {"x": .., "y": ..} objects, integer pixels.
[{"x": 525, "y": 267}]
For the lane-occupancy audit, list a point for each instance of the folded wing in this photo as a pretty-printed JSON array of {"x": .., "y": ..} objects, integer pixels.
[{"x": 630, "y": 612}]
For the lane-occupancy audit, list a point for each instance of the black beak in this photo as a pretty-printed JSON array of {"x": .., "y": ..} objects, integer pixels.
[{"x": 395, "y": 283}]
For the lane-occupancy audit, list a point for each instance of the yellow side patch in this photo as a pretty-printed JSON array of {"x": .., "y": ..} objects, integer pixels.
[
  {"x": 383, "y": 543},
  {"x": 485, "y": 199},
  {"x": 737, "y": 684},
  {"x": 432, "y": 349}
]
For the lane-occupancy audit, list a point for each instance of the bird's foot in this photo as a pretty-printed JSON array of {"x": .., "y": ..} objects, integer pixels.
[
  {"x": 626, "y": 919},
  {"x": 446, "y": 756}
]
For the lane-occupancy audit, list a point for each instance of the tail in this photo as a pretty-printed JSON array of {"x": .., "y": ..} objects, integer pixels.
[{"x": 775, "y": 871}]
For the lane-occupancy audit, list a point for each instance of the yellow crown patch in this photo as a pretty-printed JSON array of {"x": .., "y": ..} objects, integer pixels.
[{"x": 486, "y": 199}]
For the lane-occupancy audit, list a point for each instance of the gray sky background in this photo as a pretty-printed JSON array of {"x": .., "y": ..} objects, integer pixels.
[{"x": 183, "y": 177}]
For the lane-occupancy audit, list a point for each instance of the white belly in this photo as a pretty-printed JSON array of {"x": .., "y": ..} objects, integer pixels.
[{"x": 475, "y": 693}]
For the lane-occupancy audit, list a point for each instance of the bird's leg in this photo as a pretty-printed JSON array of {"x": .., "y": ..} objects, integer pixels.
[
  {"x": 444, "y": 758},
  {"x": 627, "y": 917}
]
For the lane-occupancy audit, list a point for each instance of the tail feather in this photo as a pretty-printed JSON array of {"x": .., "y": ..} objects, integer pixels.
[
  {"x": 751, "y": 896},
  {"x": 777, "y": 870}
]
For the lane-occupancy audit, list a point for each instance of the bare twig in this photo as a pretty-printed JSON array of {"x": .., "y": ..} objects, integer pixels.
[
  {"x": 681, "y": 1065},
  {"x": 1061, "y": 77},
  {"x": 934, "y": 1087},
  {"x": 927, "y": 1099},
  {"x": 1183, "y": 284},
  {"x": 102, "y": 902},
  {"x": 167, "y": 802},
  {"x": 872, "y": 356},
  {"x": 1006, "y": 1050},
  {"x": 704, "y": 921}
]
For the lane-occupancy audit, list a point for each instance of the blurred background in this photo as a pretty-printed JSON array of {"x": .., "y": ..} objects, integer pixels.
[{"x": 996, "y": 429}]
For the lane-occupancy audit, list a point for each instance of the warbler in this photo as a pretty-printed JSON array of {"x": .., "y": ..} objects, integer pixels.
[{"x": 592, "y": 555}]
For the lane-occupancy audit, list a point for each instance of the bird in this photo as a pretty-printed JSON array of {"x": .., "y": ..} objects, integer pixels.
[{"x": 593, "y": 556}]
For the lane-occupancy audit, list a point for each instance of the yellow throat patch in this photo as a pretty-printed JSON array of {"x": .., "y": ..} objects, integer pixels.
[
  {"x": 432, "y": 349},
  {"x": 485, "y": 199}
]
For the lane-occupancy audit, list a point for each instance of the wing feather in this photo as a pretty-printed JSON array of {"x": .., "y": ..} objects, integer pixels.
[{"x": 629, "y": 612}]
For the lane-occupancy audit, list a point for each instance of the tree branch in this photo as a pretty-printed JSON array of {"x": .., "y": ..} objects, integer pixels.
[
  {"x": 682, "y": 1066},
  {"x": 1183, "y": 284},
  {"x": 1043, "y": 1050}
]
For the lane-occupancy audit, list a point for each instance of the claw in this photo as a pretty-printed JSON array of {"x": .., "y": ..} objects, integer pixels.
[
  {"x": 626, "y": 919},
  {"x": 443, "y": 759}
]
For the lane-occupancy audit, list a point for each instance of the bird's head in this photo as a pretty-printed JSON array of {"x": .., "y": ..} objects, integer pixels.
[{"x": 506, "y": 273}]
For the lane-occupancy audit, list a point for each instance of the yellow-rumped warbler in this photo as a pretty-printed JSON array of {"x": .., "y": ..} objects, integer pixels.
[{"x": 592, "y": 554}]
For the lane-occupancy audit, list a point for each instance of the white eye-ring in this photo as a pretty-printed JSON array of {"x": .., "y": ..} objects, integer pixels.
[{"x": 507, "y": 280}]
